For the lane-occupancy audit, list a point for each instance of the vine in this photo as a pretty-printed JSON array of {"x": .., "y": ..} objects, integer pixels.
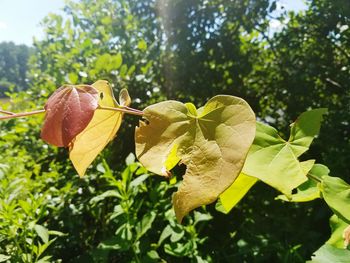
[{"x": 225, "y": 150}]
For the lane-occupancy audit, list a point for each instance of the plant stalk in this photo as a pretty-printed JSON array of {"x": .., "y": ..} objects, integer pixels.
[
  {"x": 19, "y": 115},
  {"x": 122, "y": 109}
]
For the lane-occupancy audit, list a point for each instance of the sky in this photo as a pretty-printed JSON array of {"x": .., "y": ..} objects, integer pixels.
[{"x": 20, "y": 19}]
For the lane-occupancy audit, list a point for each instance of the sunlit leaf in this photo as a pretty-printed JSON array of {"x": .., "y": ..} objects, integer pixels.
[
  {"x": 309, "y": 190},
  {"x": 330, "y": 254},
  {"x": 100, "y": 131},
  {"x": 4, "y": 258},
  {"x": 336, "y": 193},
  {"x": 232, "y": 195},
  {"x": 68, "y": 111},
  {"x": 338, "y": 227},
  {"x": 275, "y": 161},
  {"x": 42, "y": 232},
  {"x": 212, "y": 142}
]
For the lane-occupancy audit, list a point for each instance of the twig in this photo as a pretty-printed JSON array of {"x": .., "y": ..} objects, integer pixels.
[
  {"x": 122, "y": 109},
  {"x": 7, "y": 112},
  {"x": 22, "y": 114}
]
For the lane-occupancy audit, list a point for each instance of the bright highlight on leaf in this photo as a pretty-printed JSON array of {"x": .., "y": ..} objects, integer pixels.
[
  {"x": 240, "y": 187},
  {"x": 212, "y": 142},
  {"x": 275, "y": 161},
  {"x": 101, "y": 129},
  {"x": 68, "y": 111}
]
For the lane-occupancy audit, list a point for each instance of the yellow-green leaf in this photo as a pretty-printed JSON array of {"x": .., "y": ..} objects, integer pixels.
[
  {"x": 100, "y": 131},
  {"x": 338, "y": 227},
  {"x": 236, "y": 191},
  {"x": 212, "y": 142},
  {"x": 309, "y": 190},
  {"x": 275, "y": 161},
  {"x": 336, "y": 193}
]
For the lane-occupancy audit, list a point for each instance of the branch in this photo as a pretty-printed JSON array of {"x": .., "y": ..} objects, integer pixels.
[
  {"x": 12, "y": 115},
  {"x": 123, "y": 109},
  {"x": 6, "y": 112}
]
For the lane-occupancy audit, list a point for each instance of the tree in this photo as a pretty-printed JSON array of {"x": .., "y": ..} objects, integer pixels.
[{"x": 13, "y": 66}]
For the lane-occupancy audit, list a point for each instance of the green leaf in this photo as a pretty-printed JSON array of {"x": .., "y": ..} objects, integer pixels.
[
  {"x": 167, "y": 231},
  {"x": 236, "y": 191},
  {"x": 3, "y": 257},
  {"x": 142, "y": 45},
  {"x": 275, "y": 161},
  {"x": 309, "y": 190},
  {"x": 212, "y": 142},
  {"x": 73, "y": 78},
  {"x": 338, "y": 226},
  {"x": 145, "y": 224},
  {"x": 330, "y": 254},
  {"x": 336, "y": 193},
  {"x": 116, "y": 62},
  {"x": 42, "y": 232}
]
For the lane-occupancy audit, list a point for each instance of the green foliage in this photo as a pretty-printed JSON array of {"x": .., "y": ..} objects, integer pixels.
[
  {"x": 190, "y": 51},
  {"x": 13, "y": 67}
]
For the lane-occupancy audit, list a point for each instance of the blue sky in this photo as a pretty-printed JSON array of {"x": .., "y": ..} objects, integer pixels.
[{"x": 20, "y": 19}]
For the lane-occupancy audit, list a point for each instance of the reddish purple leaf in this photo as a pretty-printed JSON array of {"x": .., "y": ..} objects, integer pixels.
[{"x": 68, "y": 111}]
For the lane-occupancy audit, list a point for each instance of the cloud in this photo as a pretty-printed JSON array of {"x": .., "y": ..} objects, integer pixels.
[{"x": 3, "y": 25}]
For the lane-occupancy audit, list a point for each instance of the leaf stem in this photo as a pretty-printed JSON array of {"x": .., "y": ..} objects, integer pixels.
[
  {"x": 19, "y": 115},
  {"x": 122, "y": 109},
  {"x": 313, "y": 177},
  {"x": 6, "y": 112}
]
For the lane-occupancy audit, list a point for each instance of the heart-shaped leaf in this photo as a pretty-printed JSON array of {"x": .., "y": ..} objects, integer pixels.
[
  {"x": 68, "y": 111},
  {"x": 212, "y": 142},
  {"x": 101, "y": 129},
  {"x": 275, "y": 161}
]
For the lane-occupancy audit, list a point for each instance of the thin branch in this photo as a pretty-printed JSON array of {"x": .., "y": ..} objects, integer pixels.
[
  {"x": 6, "y": 112},
  {"x": 124, "y": 109},
  {"x": 22, "y": 114}
]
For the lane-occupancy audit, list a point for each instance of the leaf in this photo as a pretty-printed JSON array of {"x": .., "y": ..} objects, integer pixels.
[
  {"x": 100, "y": 131},
  {"x": 236, "y": 191},
  {"x": 145, "y": 224},
  {"x": 309, "y": 190},
  {"x": 275, "y": 161},
  {"x": 68, "y": 111},
  {"x": 4, "y": 258},
  {"x": 212, "y": 142},
  {"x": 167, "y": 231},
  {"x": 330, "y": 254},
  {"x": 142, "y": 45},
  {"x": 338, "y": 226},
  {"x": 42, "y": 232},
  {"x": 336, "y": 193}
]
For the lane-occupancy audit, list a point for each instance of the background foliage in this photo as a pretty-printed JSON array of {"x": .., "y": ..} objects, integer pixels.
[{"x": 184, "y": 50}]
